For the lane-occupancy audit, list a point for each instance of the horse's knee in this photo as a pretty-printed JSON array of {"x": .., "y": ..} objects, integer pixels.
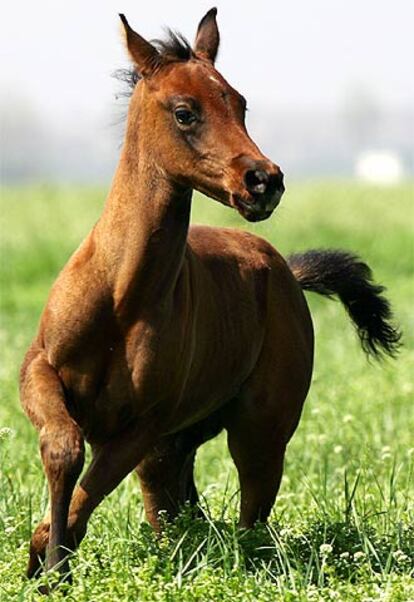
[{"x": 62, "y": 451}]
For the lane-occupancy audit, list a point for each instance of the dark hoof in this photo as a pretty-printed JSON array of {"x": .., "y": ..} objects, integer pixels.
[{"x": 55, "y": 580}]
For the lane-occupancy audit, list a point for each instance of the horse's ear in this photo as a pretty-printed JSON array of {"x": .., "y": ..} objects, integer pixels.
[
  {"x": 144, "y": 55},
  {"x": 208, "y": 38}
]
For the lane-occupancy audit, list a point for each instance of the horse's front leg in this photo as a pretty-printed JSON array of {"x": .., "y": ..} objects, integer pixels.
[
  {"x": 62, "y": 452},
  {"x": 111, "y": 463}
]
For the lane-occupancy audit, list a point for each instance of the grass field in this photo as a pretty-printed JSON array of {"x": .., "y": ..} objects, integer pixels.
[{"x": 342, "y": 528}]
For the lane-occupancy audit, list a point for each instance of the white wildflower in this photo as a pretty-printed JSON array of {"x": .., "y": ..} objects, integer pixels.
[
  {"x": 6, "y": 433},
  {"x": 400, "y": 556},
  {"x": 325, "y": 549}
]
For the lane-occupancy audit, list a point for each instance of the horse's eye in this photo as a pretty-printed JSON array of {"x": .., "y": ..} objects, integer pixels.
[{"x": 185, "y": 116}]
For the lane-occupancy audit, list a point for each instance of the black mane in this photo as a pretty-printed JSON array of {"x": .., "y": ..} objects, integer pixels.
[{"x": 175, "y": 48}]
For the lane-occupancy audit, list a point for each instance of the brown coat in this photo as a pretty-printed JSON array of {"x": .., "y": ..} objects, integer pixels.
[{"x": 156, "y": 336}]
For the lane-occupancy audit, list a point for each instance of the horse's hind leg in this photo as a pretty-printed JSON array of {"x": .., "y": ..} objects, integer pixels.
[
  {"x": 62, "y": 453},
  {"x": 258, "y": 453},
  {"x": 167, "y": 481},
  {"x": 259, "y": 428},
  {"x": 270, "y": 402},
  {"x": 167, "y": 472}
]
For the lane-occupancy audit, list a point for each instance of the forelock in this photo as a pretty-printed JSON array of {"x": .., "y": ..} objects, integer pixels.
[{"x": 174, "y": 48}]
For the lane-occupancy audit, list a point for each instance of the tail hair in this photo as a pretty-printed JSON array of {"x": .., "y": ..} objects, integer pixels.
[{"x": 338, "y": 273}]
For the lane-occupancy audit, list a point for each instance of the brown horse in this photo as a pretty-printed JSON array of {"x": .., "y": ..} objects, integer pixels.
[{"x": 156, "y": 336}]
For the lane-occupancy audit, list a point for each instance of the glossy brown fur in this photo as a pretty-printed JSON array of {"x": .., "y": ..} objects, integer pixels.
[{"x": 155, "y": 336}]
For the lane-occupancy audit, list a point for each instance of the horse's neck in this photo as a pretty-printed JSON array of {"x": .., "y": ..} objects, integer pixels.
[{"x": 143, "y": 233}]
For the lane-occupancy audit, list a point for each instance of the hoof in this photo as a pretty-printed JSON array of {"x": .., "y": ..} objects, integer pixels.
[{"x": 54, "y": 580}]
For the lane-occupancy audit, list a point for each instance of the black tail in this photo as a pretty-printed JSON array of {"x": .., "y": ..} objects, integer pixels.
[{"x": 333, "y": 272}]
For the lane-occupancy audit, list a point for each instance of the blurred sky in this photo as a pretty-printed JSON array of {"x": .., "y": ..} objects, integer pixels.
[{"x": 59, "y": 55}]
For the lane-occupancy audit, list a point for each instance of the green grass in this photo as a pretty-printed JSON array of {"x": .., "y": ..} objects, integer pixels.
[{"x": 342, "y": 528}]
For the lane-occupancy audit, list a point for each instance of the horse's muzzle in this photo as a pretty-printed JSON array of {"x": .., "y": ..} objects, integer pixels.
[{"x": 264, "y": 192}]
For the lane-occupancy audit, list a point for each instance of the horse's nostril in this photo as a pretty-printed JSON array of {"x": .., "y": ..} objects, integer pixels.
[{"x": 256, "y": 181}]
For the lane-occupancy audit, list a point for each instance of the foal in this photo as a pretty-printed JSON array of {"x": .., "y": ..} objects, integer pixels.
[{"x": 156, "y": 336}]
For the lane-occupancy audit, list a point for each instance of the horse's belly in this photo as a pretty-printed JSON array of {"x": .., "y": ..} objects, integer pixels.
[
  {"x": 215, "y": 377},
  {"x": 164, "y": 396}
]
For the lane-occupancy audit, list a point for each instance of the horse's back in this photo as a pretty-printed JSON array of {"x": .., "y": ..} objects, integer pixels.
[
  {"x": 239, "y": 261},
  {"x": 210, "y": 242}
]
